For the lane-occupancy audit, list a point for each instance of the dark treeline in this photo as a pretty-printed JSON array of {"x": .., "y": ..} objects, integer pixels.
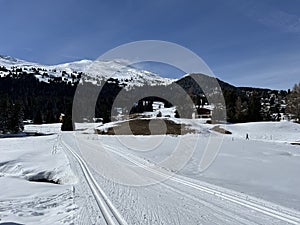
[
  {"x": 243, "y": 104},
  {"x": 24, "y": 97},
  {"x": 38, "y": 101}
]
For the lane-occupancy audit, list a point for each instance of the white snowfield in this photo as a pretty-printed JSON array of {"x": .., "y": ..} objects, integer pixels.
[
  {"x": 96, "y": 70},
  {"x": 29, "y": 202},
  {"x": 43, "y": 128},
  {"x": 119, "y": 180}
]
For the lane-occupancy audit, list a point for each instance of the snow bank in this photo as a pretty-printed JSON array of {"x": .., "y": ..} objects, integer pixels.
[
  {"x": 86, "y": 126},
  {"x": 36, "y": 181},
  {"x": 43, "y": 128}
]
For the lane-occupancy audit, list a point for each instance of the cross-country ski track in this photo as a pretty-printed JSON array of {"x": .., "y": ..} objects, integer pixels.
[{"x": 267, "y": 210}]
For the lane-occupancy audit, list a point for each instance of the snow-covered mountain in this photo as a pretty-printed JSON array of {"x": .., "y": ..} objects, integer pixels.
[
  {"x": 11, "y": 61},
  {"x": 95, "y": 71}
]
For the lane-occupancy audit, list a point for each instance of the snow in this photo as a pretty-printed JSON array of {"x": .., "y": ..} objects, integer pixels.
[
  {"x": 130, "y": 76},
  {"x": 283, "y": 131},
  {"x": 96, "y": 70},
  {"x": 165, "y": 112},
  {"x": 11, "y": 61},
  {"x": 265, "y": 166},
  {"x": 106, "y": 126},
  {"x": 250, "y": 182},
  {"x": 87, "y": 127},
  {"x": 22, "y": 162},
  {"x": 43, "y": 128},
  {"x": 251, "y": 169},
  {"x": 267, "y": 170}
]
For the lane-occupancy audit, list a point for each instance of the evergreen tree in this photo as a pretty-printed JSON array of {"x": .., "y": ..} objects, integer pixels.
[
  {"x": 238, "y": 110},
  {"x": 67, "y": 124},
  {"x": 4, "y": 115},
  {"x": 38, "y": 119},
  {"x": 229, "y": 97},
  {"x": 50, "y": 117},
  {"x": 293, "y": 102},
  {"x": 16, "y": 118},
  {"x": 11, "y": 117},
  {"x": 254, "y": 108}
]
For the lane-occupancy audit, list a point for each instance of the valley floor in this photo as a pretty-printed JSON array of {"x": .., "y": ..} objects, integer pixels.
[{"x": 110, "y": 179}]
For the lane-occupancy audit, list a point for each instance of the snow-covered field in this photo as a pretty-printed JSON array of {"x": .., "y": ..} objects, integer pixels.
[
  {"x": 24, "y": 162},
  {"x": 43, "y": 128},
  {"x": 126, "y": 179}
]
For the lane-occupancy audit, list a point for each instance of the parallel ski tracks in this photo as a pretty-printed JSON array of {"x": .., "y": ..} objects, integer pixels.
[
  {"x": 111, "y": 215},
  {"x": 256, "y": 206}
]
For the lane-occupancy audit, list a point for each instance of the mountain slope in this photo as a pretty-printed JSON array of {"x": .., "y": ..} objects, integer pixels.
[
  {"x": 21, "y": 81},
  {"x": 95, "y": 71}
]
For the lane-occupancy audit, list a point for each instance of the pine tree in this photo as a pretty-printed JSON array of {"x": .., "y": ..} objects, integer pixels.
[
  {"x": 11, "y": 117},
  {"x": 38, "y": 119},
  {"x": 293, "y": 102},
  {"x": 67, "y": 124},
  {"x": 238, "y": 110},
  {"x": 229, "y": 97},
  {"x": 16, "y": 118},
  {"x": 50, "y": 117},
  {"x": 254, "y": 108},
  {"x": 4, "y": 115}
]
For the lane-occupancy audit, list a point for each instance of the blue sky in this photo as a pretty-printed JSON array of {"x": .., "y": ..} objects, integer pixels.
[{"x": 244, "y": 42}]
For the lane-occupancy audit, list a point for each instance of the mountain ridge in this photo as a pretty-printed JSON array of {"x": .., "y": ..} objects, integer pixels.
[
  {"x": 44, "y": 92},
  {"x": 95, "y": 70},
  {"x": 109, "y": 69}
]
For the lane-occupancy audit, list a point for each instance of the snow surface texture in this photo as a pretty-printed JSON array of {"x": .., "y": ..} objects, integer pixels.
[
  {"x": 43, "y": 128},
  {"x": 251, "y": 181},
  {"x": 283, "y": 131},
  {"x": 87, "y": 126},
  {"x": 252, "y": 170},
  {"x": 23, "y": 199}
]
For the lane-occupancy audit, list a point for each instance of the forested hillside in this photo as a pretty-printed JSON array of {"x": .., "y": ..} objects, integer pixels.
[{"x": 35, "y": 95}]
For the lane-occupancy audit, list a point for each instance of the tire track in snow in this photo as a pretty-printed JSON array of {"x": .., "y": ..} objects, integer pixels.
[{"x": 110, "y": 213}]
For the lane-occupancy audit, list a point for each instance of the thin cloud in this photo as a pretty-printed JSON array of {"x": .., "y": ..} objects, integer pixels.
[
  {"x": 268, "y": 15},
  {"x": 281, "y": 20}
]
